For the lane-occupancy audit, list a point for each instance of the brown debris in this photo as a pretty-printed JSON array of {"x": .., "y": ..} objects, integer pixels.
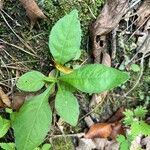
[
  {"x": 110, "y": 129},
  {"x": 143, "y": 12},
  {"x": 117, "y": 129},
  {"x": 106, "y": 60},
  {"x": 18, "y": 99},
  {"x": 99, "y": 130},
  {"x": 2, "y": 105},
  {"x": 4, "y": 99},
  {"x": 117, "y": 116},
  {"x": 105, "y": 130},
  {"x": 110, "y": 16},
  {"x": 33, "y": 11}
]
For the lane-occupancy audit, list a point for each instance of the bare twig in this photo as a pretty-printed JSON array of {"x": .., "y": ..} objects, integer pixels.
[
  {"x": 147, "y": 55},
  {"x": 98, "y": 105},
  {"x": 139, "y": 27},
  {"x": 67, "y": 135},
  {"x": 10, "y": 17},
  {"x": 18, "y": 47}
]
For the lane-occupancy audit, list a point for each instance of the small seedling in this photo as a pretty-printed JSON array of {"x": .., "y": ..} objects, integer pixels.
[
  {"x": 34, "y": 118},
  {"x": 134, "y": 120}
]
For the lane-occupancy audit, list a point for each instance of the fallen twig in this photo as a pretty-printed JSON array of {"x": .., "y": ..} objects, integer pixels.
[
  {"x": 18, "y": 48},
  {"x": 79, "y": 135},
  {"x": 21, "y": 40}
]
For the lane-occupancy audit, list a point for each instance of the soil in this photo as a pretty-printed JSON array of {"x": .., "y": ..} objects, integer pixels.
[{"x": 16, "y": 59}]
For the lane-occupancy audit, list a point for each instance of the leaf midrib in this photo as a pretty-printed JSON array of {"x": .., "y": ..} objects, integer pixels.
[
  {"x": 66, "y": 38},
  {"x": 35, "y": 119}
]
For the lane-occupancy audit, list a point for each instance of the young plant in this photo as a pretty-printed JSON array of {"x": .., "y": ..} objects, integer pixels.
[
  {"x": 134, "y": 120},
  {"x": 34, "y": 118}
]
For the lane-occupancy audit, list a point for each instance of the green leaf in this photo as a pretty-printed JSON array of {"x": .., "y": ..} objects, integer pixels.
[
  {"x": 128, "y": 119},
  {"x": 8, "y": 110},
  {"x": 65, "y": 38},
  {"x": 124, "y": 144},
  {"x": 33, "y": 121},
  {"x": 135, "y": 67},
  {"x": 95, "y": 78},
  {"x": 4, "y": 126},
  {"x": 31, "y": 81},
  {"x": 7, "y": 146},
  {"x": 140, "y": 111},
  {"x": 66, "y": 86},
  {"x": 67, "y": 106},
  {"x": 140, "y": 127},
  {"x": 37, "y": 148},
  {"x": 46, "y": 147}
]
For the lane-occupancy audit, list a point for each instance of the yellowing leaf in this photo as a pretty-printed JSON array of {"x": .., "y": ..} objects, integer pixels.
[{"x": 63, "y": 69}]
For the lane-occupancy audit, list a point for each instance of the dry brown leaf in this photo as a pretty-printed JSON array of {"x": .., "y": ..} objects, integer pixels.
[
  {"x": 143, "y": 12},
  {"x": 33, "y": 11},
  {"x": 106, "y": 60},
  {"x": 117, "y": 129},
  {"x": 110, "y": 16},
  {"x": 117, "y": 116},
  {"x": 4, "y": 98},
  {"x": 2, "y": 105},
  {"x": 18, "y": 99},
  {"x": 99, "y": 130}
]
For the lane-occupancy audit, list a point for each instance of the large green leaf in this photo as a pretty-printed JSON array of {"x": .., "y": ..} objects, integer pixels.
[
  {"x": 67, "y": 106},
  {"x": 65, "y": 38},
  {"x": 31, "y": 81},
  {"x": 32, "y": 122},
  {"x": 95, "y": 78},
  {"x": 4, "y": 126}
]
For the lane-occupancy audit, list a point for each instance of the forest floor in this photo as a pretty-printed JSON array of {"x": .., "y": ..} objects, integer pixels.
[{"x": 23, "y": 48}]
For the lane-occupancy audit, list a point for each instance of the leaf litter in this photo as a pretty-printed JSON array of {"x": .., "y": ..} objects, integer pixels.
[
  {"x": 101, "y": 28},
  {"x": 33, "y": 11}
]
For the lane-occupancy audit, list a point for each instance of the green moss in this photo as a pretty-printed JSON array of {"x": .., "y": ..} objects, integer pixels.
[{"x": 62, "y": 144}]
